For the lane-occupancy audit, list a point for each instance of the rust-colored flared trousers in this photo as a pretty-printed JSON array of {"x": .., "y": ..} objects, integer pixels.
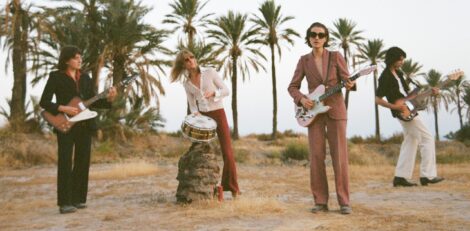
[
  {"x": 335, "y": 130},
  {"x": 229, "y": 172}
]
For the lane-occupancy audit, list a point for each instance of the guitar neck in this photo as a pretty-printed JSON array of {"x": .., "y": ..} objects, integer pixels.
[
  {"x": 101, "y": 95},
  {"x": 95, "y": 98},
  {"x": 440, "y": 85},
  {"x": 337, "y": 88}
]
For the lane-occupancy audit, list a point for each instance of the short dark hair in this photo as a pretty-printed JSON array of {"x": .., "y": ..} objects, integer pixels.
[
  {"x": 317, "y": 24},
  {"x": 394, "y": 54},
  {"x": 67, "y": 53}
]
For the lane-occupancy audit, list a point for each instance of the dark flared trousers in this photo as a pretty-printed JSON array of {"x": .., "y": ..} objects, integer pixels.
[
  {"x": 229, "y": 172},
  {"x": 335, "y": 130},
  {"x": 73, "y": 165}
]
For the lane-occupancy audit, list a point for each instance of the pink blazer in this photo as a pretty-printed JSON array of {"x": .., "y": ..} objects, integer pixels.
[{"x": 306, "y": 68}]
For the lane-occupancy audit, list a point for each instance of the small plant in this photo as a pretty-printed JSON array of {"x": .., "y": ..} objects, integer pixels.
[
  {"x": 295, "y": 151},
  {"x": 241, "y": 155},
  {"x": 461, "y": 135}
]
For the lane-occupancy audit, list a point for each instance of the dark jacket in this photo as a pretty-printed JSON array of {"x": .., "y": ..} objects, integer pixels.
[
  {"x": 64, "y": 88},
  {"x": 388, "y": 87}
]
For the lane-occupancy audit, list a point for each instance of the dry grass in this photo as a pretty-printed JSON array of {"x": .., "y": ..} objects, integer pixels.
[
  {"x": 26, "y": 150},
  {"x": 137, "y": 190},
  {"x": 244, "y": 206},
  {"x": 274, "y": 198},
  {"x": 125, "y": 170}
]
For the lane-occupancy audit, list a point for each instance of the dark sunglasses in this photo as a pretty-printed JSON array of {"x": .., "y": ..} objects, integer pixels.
[
  {"x": 188, "y": 58},
  {"x": 320, "y": 35}
]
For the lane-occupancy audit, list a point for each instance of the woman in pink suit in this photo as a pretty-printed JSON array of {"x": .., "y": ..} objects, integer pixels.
[{"x": 323, "y": 67}]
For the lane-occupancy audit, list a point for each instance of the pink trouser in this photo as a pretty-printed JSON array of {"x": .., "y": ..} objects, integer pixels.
[
  {"x": 229, "y": 172},
  {"x": 335, "y": 131}
]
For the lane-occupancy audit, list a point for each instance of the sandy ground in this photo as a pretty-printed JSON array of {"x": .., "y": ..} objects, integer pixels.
[{"x": 139, "y": 195}]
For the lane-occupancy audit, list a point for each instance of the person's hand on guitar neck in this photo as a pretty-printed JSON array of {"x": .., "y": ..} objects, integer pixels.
[
  {"x": 306, "y": 103},
  {"x": 112, "y": 93},
  {"x": 350, "y": 84},
  {"x": 71, "y": 111}
]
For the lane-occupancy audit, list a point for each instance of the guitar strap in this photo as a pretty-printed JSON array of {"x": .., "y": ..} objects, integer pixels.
[{"x": 327, "y": 70}]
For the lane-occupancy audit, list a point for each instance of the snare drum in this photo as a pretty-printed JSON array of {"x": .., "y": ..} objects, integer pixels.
[{"x": 199, "y": 128}]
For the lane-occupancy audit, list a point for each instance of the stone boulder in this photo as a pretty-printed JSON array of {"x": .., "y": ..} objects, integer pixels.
[{"x": 198, "y": 174}]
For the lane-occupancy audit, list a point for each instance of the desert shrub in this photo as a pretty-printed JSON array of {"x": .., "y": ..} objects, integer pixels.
[
  {"x": 396, "y": 138},
  {"x": 451, "y": 152},
  {"x": 280, "y": 135},
  {"x": 461, "y": 135},
  {"x": 241, "y": 155},
  {"x": 356, "y": 139},
  {"x": 295, "y": 150}
]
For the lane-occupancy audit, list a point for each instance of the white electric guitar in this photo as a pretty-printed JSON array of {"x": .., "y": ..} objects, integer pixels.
[{"x": 305, "y": 117}]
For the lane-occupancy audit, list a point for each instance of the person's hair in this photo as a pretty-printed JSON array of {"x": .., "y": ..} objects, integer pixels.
[
  {"x": 317, "y": 24},
  {"x": 67, "y": 53},
  {"x": 394, "y": 54},
  {"x": 178, "y": 65}
]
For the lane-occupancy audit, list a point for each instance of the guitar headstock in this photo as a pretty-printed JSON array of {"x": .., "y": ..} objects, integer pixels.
[
  {"x": 456, "y": 74},
  {"x": 368, "y": 70}
]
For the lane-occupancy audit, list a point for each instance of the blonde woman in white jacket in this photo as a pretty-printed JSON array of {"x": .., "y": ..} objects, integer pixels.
[{"x": 205, "y": 91}]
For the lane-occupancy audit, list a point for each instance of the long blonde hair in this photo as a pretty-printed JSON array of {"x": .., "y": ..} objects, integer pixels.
[{"x": 178, "y": 65}]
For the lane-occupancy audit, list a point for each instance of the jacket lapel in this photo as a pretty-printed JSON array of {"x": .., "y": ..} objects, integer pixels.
[{"x": 312, "y": 68}]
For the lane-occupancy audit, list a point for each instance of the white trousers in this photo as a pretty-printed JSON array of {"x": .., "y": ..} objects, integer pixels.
[{"x": 415, "y": 135}]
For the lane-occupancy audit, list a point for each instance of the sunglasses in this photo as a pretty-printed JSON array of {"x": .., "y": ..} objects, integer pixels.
[
  {"x": 320, "y": 35},
  {"x": 188, "y": 58}
]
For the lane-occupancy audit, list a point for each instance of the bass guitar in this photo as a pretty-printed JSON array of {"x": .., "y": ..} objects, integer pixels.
[{"x": 416, "y": 100}]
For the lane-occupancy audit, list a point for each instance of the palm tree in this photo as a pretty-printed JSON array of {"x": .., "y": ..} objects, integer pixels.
[
  {"x": 131, "y": 45},
  {"x": 411, "y": 69},
  {"x": 18, "y": 38},
  {"x": 185, "y": 16},
  {"x": 270, "y": 26},
  {"x": 433, "y": 79},
  {"x": 466, "y": 100},
  {"x": 457, "y": 91},
  {"x": 91, "y": 28},
  {"x": 235, "y": 43},
  {"x": 203, "y": 52},
  {"x": 347, "y": 35},
  {"x": 64, "y": 26},
  {"x": 373, "y": 53}
]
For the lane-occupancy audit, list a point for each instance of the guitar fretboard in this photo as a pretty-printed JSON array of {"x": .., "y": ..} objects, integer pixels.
[
  {"x": 101, "y": 95},
  {"x": 337, "y": 88},
  {"x": 428, "y": 92}
]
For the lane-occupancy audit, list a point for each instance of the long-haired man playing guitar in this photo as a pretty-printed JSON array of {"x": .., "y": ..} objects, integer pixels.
[{"x": 393, "y": 86}]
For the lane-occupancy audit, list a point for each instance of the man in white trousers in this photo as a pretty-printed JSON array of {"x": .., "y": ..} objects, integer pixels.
[{"x": 393, "y": 86}]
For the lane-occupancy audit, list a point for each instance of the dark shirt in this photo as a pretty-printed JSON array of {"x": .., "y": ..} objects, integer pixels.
[
  {"x": 64, "y": 88},
  {"x": 388, "y": 87}
]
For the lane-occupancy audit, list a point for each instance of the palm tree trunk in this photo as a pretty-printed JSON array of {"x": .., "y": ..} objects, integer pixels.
[
  {"x": 191, "y": 41},
  {"x": 234, "y": 98},
  {"x": 436, "y": 125},
  {"x": 95, "y": 60},
  {"x": 18, "y": 94},
  {"x": 118, "y": 68},
  {"x": 273, "y": 71},
  {"x": 459, "y": 107},
  {"x": 346, "y": 97},
  {"x": 377, "y": 123}
]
